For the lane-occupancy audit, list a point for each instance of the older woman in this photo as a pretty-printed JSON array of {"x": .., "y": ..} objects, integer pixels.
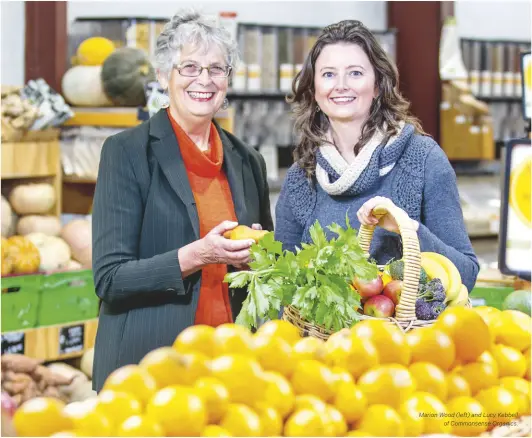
[
  {"x": 359, "y": 147},
  {"x": 167, "y": 190}
]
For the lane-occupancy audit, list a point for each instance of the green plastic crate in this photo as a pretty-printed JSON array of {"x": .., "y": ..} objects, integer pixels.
[
  {"x": 20, "y": 302},
  {"x": 67, "y": 297},
  {"x": 490, "y": 296}
]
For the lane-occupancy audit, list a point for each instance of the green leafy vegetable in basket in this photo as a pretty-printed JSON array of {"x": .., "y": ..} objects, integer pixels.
[{"x": 315, "y": 278}]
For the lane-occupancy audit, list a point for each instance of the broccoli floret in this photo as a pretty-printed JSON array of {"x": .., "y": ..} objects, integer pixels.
[
  {"x": 396, "y": 271},
  {"x": 432, "y": 291},
  {"x": 437, "y": 307},
  {"x": 423, "y": 310}
]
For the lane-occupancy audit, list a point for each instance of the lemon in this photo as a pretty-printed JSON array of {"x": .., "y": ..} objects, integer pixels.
[{"x": 520, "y": 191}]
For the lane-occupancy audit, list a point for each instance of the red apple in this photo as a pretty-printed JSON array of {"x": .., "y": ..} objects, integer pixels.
[
  {"x": 368, "y": 288},
  {"x": 393, "y": 290},
  {"x": 379, "y": 306}
]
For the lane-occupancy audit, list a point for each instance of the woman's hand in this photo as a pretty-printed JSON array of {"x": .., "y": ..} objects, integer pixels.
[
  {"x": 215, "y": 248},
  {"x": 366, "y": 217}
]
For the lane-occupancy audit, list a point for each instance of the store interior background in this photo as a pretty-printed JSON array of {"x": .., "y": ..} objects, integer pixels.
[{"x": 502, "y": 20}]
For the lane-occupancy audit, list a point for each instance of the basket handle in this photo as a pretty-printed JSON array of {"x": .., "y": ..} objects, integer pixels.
[{"x": 406, "y": 308}]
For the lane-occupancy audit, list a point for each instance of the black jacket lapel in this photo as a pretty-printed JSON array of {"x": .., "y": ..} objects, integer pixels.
[{"x": 168, "y": 154}]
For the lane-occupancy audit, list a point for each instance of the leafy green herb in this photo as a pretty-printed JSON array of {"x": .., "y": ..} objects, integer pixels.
[{"x": 315, "y": 279}]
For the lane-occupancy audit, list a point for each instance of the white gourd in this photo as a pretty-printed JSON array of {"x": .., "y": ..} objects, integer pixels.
[
  {"x": 82, "y": 86},
  {"x": 49, "y": 225},
  {"x": 7, "y": 218},
  {"x": 54, "y": 251},
  {"x": 38, "y": 198},
  {"x": 78, "y": 234}
]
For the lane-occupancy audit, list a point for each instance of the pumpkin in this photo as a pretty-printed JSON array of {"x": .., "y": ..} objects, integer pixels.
[
  {"x": 94, "y": 51},
  {"x": 82, "y": 86},
  {"x": 125, "y": 74},
  {"x": 36, "y": 198},
  {"x": 23, "y": 254},
  {"x": 78, "y": 234},
  {"x": 49, "y": 225},
  {"x": 7, "y": 264},
  {"x": 54, "y": 251}
]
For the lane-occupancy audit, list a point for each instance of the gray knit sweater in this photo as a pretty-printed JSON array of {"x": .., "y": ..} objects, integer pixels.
[{"x": 422, "y": 183}]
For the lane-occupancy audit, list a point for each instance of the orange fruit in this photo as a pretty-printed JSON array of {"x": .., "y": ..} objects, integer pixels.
[
  {"x": 139, "y": 425},
  {"x": 196, "y": 339},
  {"x": 179, "y": 410},
  {"x": 510, "y": 361},
  {"x": 467, "y": 329},
  {"x": 281, "y": 329},
  {"x": 41, "y": 416},
  {"x": 307, "y": 348},
  {"x": 467, "y": 416},
  {"x": 412, "y": 422},
  {"x": 387, "y": 384},
  {"x": 432, "y": 410},
  {"x": 353, "y": 354},
  {"x": 270, "y": 420},
  {"x": 490, "y": 315},
  {"x": 231, "y": 338},
  {"x": 134, "y": 380},
  {"x": 429, "y": 378},
  {"x": 241, "y": 420},
  {"x": 274, "y": 354},
  {"x": 278, "y": 393},
  {"x": 381, "y": 420},
  {"x": 303, "y": 423},
  {"x": 335, "y": 421},
  {"x": 431, "y": 345},
  {"x": 479, "y": 375},
  {"x": 514, "y": 330},
  {"x": 241, "y": 375},
  {"x": 313, "y": 377},
  {"x": 214, "y": 430},
  {"x": 350, "y": 401},
  {"x": 456, "y": 386},
  {"x": 526, "y": 354},
  {"x": 499, "y": 403},
  {"x": 214, "y": 395},
  {"x": 121, "y": 404},
  {"x": 86, "y": 416},
  {"x": 168, "y": 367},
  {"x": 389, "y": 341}
]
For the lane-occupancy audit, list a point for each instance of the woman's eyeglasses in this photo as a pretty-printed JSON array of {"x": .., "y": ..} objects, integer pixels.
[{"x": 194, "y": 70}]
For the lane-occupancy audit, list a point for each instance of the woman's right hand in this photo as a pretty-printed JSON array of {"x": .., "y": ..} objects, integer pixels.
[{"x": 215, "y": 248}]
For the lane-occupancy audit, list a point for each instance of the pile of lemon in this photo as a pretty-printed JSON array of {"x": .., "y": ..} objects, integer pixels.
[{"x": 464, "y": 375}]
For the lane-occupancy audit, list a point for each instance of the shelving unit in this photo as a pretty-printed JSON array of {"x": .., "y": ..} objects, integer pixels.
[
  {"x": 56, "y": 342},
  {"x": 34, "y": 156}
]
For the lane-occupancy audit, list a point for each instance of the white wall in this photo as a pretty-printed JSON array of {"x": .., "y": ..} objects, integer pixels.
[
  {"x": 12, "y": 37},
  {"x": 507, "y": 20},
  {"x": 305, "y": 13}
]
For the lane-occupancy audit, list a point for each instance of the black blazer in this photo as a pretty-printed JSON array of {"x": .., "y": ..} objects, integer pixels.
[{"x": 143, "y": 211}]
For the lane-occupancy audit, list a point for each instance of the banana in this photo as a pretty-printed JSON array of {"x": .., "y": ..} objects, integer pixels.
[
  {"x": 461, "y": 299},
  {"x": 434, "y": 269},
  {"x": 455, "y": 279}
]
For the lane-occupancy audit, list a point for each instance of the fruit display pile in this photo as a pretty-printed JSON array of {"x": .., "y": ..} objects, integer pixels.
[
  {"x": 464, "y": 375},
  {"x": 440, "y": 287}
]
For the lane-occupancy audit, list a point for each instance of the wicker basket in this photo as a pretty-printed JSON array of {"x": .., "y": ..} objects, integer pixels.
[{"x": 405, "y": 311}]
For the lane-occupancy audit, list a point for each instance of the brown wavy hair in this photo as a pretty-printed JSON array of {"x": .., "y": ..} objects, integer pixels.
[{"x": 388, "y": 109}]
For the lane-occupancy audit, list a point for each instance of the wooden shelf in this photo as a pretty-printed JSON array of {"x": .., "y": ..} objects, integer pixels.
[
  {"x": 113, "y": 117},
  {"x": 73, "y": 179},
  {"x": 55, "y": 342}
]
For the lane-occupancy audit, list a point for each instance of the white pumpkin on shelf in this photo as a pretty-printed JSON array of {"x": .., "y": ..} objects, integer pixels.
[
  {"x": 33, "y": 198},
  {"x": 9, "y": 219},
  {"x": 55, "y": 252},
  {"x": 82, "y": 86},
  {"x": 78, "y": 234},
  {"x": 35, "y": 223}
]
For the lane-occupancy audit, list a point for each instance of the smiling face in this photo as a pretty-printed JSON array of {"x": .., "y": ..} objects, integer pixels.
[
  {"x": 344, "y": 82},
  {"x": 193, "y": 98}
]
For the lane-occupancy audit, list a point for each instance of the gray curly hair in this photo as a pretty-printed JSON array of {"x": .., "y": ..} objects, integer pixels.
[{"x": 191, "y": 27}]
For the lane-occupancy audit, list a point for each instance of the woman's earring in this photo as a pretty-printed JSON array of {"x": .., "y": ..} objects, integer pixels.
[
  {"x": 225, "y": 104},
  {"x": 318, "y": 109}
]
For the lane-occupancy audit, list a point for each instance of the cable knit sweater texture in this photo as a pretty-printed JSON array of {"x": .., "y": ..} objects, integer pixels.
[{"x": 421, "y": 182}]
